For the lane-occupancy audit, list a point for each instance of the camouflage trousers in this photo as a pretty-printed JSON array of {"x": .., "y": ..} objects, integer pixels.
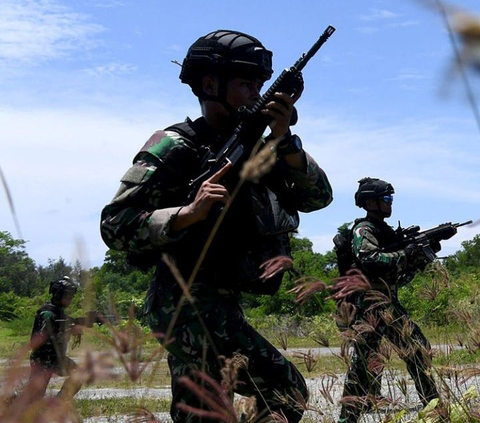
[
  {"x": 392, "y": 322},
  {"x": 40, "y": 375},
  {"x": 215, "y": 329}
]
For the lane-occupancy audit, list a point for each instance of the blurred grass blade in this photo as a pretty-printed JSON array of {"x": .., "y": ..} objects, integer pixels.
[{"x": 10, "y": 202}]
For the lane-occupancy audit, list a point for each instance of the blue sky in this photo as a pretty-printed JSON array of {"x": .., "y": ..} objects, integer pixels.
[{"x": 83, "y": 84}]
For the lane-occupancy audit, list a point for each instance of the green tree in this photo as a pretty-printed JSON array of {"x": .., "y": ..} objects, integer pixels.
[
  {"x": 17, "y": 270},
  {"x": 55, "y": 269},
  {"x": 467, "y": 259},
  {"x": 117, "y": 274}
]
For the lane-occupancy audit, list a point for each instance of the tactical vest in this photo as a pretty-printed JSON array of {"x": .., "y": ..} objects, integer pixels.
[
  {"x": 54, "y": 349},
  {"x": 254, "y": 230}
]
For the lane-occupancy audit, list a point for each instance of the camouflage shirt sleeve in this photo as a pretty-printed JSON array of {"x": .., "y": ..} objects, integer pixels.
[
  {"x": 374, "y": 261},
  {"x": 150, "y": 195},
  {"x": 46, "y": 323},
  {"x": 311, "y": 189}
]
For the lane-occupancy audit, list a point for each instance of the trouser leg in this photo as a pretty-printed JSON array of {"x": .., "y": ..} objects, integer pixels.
[
  {"x": 362, "y": 379},
  {"x": 73, "y": 381},
  {"x": 414, "y": 349},
  {"x": 222, "y": 331},
  {"x": 38, "y": 382}
]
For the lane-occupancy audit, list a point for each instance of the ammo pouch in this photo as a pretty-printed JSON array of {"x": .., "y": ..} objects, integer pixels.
[
  {"x": 271, "y": 216},
  {"x": 243, "y": 272},
  {"x": 273, "y": 222}
]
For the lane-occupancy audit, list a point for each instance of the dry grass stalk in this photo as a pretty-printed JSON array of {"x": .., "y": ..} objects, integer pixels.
[
  {"x": 230, "y": 371},
  {"x": 402, "y": 386},
  {"x": 213, "y": 395},
  {"x": 353, "y": 282},
  {"x": 247, "y": 409},
  {"x": 282, "y": 338},
  {"x": 10, "y": 202},
  {"x": 377, "y": 299},
  {"x": 296, "y": 399},
  {"x": 142, "y": 415},
  {"x": 385, "y": 351},
  {"x": 307, "y": 287},
  {"x": 44, "y": 410},
  {"x": 309, "y": 359},
  {"x": 473, "y": 344},
  {"x": 96, "y": 366},
  {"x": 274, "y": 266},
  {"x": 128, "y": 343},
  {"x": 355, "y": 402},
  {"x": 327, "y": 382},
  {"x": 261, "y": 163},
  {"x": 321, "y": 339},
  {"x": 346, "y": 313}
]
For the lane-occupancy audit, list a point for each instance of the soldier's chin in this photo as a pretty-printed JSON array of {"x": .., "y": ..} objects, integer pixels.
[{"x": 387, "y": 214}]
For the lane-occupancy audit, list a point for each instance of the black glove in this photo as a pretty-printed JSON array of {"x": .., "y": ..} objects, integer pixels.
[
  {"x": 411, "y": 250},
  {"x": 435, "y": 246}
]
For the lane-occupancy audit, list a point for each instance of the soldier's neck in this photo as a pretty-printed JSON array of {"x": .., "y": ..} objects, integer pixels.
[
  {"x": 218, "y": 118},
  {"x": 375, "y": 216}
]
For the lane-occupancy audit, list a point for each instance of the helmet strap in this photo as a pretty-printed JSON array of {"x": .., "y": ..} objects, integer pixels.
[{"x": 221, "y": 97}]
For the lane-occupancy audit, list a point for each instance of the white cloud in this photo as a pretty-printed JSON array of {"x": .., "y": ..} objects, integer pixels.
[
  {"x": 423, "y": 155},
  {"x": 37, "y": 30},
  {"x": 403, "y": 24},
  {"x": 378, "y": 14},
  {"x": 111, "y": 69},
  {"x": 108, "y": 4},
  {"x": 64, "y": 166},
  {"x": 408, "y": 75},
  {"x": 368, "y": 29}
]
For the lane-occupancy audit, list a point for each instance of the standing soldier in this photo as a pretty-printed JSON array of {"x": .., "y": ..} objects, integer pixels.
[
  {"x": 150, "y": 215},
  {"x": 50, "y": 336},
  {"x": 385, "y": 269}
]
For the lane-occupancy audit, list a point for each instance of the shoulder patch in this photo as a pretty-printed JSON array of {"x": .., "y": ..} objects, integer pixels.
[{"x": 47, "y": 315}]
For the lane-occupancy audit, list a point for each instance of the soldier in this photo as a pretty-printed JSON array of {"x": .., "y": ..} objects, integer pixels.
[
  {"x": 49, "y": 340},
  {"x": 385, "y": 269},
  {"x": 150, "y": 216}
]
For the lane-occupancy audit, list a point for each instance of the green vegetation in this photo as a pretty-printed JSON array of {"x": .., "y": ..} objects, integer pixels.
[
  {"x": 444, "y": 300},
  {"x": 108, "y": 407},
  {"x": 439, "y": 299}
]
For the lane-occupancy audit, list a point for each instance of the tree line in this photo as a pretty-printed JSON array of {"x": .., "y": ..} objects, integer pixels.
[{"x": 432, "y": 291}]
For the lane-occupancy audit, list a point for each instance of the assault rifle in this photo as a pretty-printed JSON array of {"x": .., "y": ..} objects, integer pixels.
[
  {"x": 92, "y": 317},
  {"x": 253, "y": 123},
  {"x": 427, "y": 240}
]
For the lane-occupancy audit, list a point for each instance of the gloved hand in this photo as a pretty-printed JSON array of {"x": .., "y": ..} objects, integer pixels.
[
  {"x": 411, "y": 250},
  {"x": 435, "y": 246}
]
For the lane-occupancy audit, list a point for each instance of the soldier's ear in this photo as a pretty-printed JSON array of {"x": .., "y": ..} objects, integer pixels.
[{"x": 210, "y": 85}]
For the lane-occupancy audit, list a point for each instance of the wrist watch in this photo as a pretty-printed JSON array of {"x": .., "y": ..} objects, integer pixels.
[{"x": 291, "y": 145}]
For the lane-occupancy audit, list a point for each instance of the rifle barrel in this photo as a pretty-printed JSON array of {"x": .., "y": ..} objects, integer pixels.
[
  {"x": 301, "y": 63},
  {"x": 468, "y": 222}
]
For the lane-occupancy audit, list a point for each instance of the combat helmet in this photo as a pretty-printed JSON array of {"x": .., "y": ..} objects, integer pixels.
[
  {"x": 225, "y": 52},
  {"x": 372, "y": 188},
  {"x": 60, "y": 287}
]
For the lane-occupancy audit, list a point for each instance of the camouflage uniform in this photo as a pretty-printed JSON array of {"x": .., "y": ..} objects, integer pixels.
[
  {"x": 50, "y": 336},
  {"x": 51, "y": 323},
  {"x": 385, "y": 270},
  {"x": 138, "y": 220}
]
